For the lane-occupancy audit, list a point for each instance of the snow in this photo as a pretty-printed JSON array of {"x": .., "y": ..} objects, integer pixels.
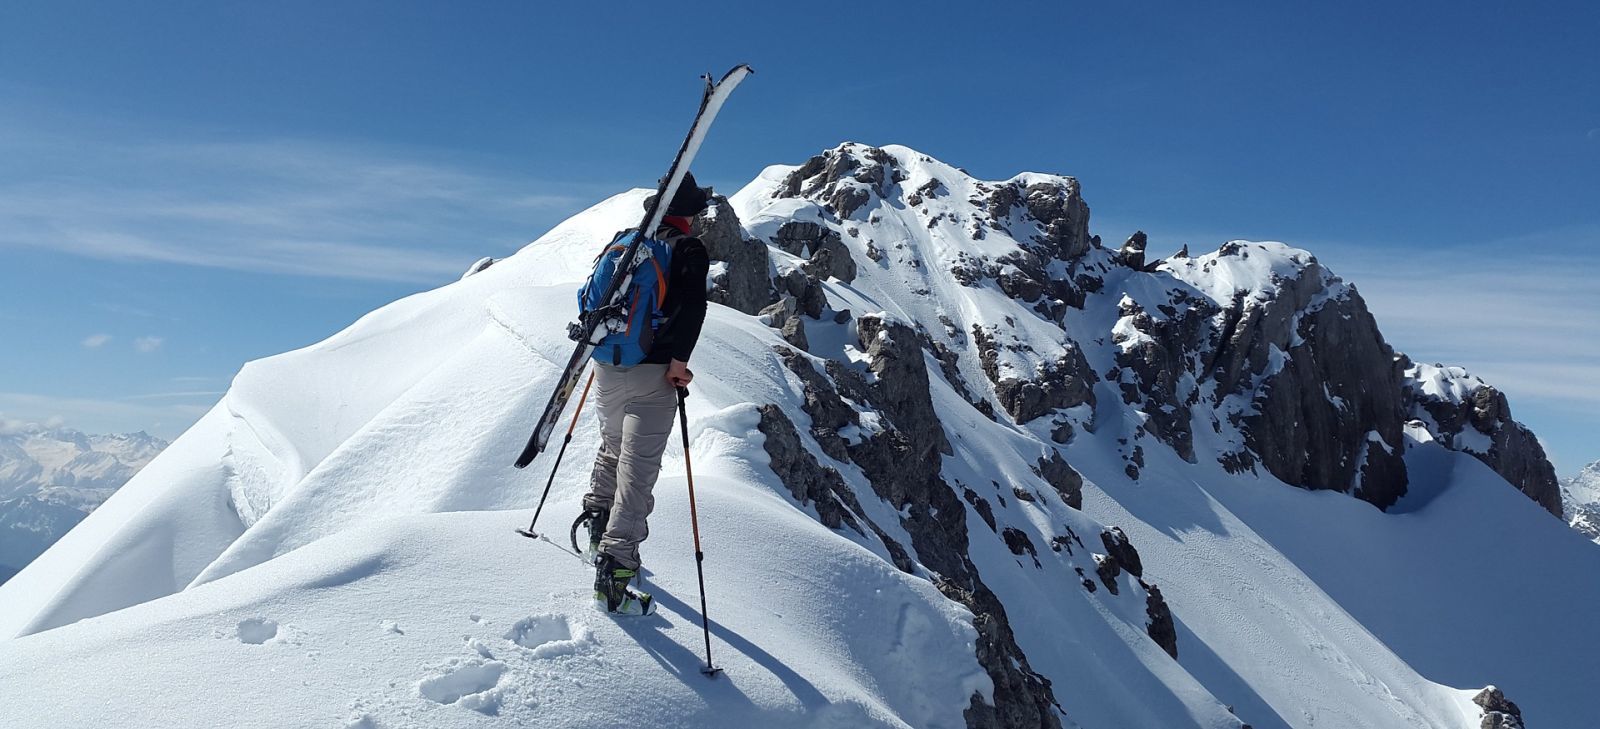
[{"x": 333, "y": 544}]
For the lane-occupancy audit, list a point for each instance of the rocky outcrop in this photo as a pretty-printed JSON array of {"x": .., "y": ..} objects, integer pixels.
[
  {"x": 1294, "y": 363},
  {"x": 844, "y": 178},
  {"x": 824, "y": 250},
  {"x": 903, "y": 462},
  {"x": 809, "y": 481},
  {"x": 1065, "y": 382},
  {"x": 1498, "y": 711},
  {"x": 1466, "y": 414},
  {"x": 1332, "y": 417},
  {"x": 1157, "y": 354},
  {"x": 1161, "y": 627},
  {"x": 742, "y": 283}
]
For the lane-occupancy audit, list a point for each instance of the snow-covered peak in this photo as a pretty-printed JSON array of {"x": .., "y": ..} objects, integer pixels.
[
  {"x": 910, "y": 437},
  {"x": 1451, "y": 384},
  {"x": 1256, "y": 270}
]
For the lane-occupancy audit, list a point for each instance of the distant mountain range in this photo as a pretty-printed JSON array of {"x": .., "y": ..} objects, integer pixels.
[
  {"x": 1580, "y": 496},
  {"x": 51, "y": 478}
]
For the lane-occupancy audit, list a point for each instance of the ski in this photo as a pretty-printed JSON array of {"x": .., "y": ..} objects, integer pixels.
[{"x": 592, "y": 329}]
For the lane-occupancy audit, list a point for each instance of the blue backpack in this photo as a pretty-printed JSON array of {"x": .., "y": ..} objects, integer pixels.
[{"x": 641, "y": 301}]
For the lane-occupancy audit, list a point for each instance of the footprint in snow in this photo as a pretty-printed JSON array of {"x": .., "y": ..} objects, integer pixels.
[
  {"x": 549, "y": 636},
  {"x": 471, "y": 684},
  {"x": 256, "y": 631}
]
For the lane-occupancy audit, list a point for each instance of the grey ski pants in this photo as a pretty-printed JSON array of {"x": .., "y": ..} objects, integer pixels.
[{"x": 636, "y": 406}]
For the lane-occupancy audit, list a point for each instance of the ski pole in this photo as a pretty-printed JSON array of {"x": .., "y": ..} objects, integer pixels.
[
  {"x": 529, "y": 532},
  {"x": 694, "y": 521}
]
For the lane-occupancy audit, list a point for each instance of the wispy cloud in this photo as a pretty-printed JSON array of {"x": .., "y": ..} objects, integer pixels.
[
  {"x": 1517, "y": 312},
  {"x": 146, "y": 345},
  {"x": 96, "y": 341},
  {"x": 184, "y": 395},
  {"x": 279, "y": 206}
]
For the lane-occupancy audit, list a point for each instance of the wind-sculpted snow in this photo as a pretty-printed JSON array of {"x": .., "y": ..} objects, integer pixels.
[{"x": 925, "y": 405}]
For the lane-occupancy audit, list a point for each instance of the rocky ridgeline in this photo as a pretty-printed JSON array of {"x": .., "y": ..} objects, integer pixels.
[
  {"x": 1254, "y": 350},
  {"x": 1463, "y": 413}
]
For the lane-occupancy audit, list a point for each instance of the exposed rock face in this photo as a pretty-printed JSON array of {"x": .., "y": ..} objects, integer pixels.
[
  {"x": 1498, "y": 711},
  {"x": 1161, "y": 628},
  {"x": 825, "y": 253},
  {"x": 1296, "y": 365},
  {"x": 1063, "y": 479},
  {"x": 1157, "y": 355},
  {"x": 844, "y": 179},
  {"x": 810, "y": 482},
  {"x": 1466, "y": 414},
  {"x": 785, "y": 317},
  {"x": 1305, "y": 437},
  {"x": 903, "y": 463},
  {"x": 1132, "y": 252},
  {"x": 1067, "y": 382},
  {"x": 743, "y": 283},
  {"x": 1117, "y": 545}
]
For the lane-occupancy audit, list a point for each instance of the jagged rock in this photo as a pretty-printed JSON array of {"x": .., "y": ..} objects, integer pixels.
[
  {"x": 1118, "y": 546},
  {"x": 1060, "y": 207},
  {"x": 1063, "y": 383},
  {"x": 809, "y": 481},
  {"x": 1108, "y": 570},
  {"x": 1483, "y": 416},
  {"x": 1018, "y": 542},
  {"x": 1161, "y": 627},
  {"x": 1132, "y": 252},
  {"x": 808, "y": 293},
  {"x": 931, "y": 188},
  {"x": 981, "y": 505},
  {"x": 895, "y": 354},
  {"x": 785, "y": 317},
  {"x": 1154, "y": 366},
  {"x": 842, "y": 178},
  {"x": 1060, "y": 475},
  {"x": 1498, "y": 711},
  {"x": 1311, "y": 417},
  {"x": 828, "y": 412},
  {"x": 743, "y": 283}
]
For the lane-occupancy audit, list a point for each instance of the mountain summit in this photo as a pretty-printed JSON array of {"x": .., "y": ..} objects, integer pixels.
[{"x": 960, "y": 464}]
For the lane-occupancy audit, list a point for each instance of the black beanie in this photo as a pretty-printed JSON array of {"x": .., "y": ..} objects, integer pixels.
[{"x": 689, "y": 201}]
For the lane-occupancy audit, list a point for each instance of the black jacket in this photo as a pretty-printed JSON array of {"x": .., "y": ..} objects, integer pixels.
[{"x": 685, "y": 305}]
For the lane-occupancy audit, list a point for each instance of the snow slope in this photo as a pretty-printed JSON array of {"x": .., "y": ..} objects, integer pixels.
[{"x": 332, "y": 544}]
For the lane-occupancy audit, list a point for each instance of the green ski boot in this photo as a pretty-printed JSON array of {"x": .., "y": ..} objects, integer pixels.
[{"x": 611, "y": 589}]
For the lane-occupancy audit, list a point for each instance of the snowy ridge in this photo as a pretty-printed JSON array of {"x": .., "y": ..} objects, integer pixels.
[{"x": 909, "y": 467}]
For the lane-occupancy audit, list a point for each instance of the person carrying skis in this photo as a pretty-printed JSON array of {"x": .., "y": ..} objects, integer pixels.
[{"x": 637, "y": 405}]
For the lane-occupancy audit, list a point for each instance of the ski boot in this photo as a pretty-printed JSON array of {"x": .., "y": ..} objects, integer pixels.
[
  {"x": 611, "y": 589},
  {"x": 595, "y": 520}
]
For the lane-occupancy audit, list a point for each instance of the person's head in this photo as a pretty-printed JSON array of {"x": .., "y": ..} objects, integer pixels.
[{"x": 689, "y": 201}]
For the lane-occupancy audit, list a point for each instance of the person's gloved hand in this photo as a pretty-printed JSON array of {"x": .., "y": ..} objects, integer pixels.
[{"x": 678, "y": 373}]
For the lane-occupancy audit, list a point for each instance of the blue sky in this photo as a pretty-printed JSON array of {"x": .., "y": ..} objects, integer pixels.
[{"x": 185, "y": 186}]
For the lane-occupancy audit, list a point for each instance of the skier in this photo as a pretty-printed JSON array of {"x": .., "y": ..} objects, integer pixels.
[{"x": 637, "y": 405}]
